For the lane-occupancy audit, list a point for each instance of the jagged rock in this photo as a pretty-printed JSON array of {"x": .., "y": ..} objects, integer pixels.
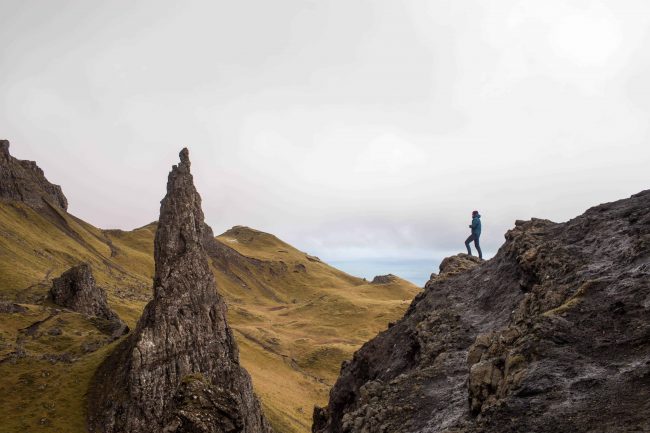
[
  {"x": 383, "y": 279},
  {"x": 24, "y": 181},
  {"x": 453, "y": 265},
  {"x": 76, "y": 290},
  {"x": 182, "y": 335},
  {"x": 551, "y": 335}
]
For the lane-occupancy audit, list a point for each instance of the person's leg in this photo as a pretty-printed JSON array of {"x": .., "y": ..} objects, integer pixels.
[
  {"x": 469, "y": 239},
  {"x": 478, "y": 247}
]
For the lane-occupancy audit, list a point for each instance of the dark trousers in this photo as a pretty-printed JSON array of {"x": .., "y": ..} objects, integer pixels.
[{"x": 474, "y": 238}]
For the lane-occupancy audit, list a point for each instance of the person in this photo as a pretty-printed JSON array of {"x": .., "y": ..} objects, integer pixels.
[{"x": 476, "y": 234}]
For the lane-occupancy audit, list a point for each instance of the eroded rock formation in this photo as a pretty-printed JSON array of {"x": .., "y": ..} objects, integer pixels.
[
  {"x": 24, "y": 181},
  {"x": 551, "y": 335},
  {"x": 76, "y": 290},
  {"x": 179, "y": 371}
]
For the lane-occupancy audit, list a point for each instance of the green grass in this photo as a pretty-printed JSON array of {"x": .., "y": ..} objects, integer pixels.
[{"x": 41, "y": 396}]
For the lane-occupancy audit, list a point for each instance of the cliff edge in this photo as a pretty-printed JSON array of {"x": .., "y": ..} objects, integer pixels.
[{"x": 551, "y": 335}]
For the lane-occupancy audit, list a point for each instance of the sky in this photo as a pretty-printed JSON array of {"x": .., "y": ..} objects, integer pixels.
[{"x": 361, "y": 131}]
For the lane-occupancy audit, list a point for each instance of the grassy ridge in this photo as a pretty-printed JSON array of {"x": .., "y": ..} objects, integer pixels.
[{"x": 295, "y": 318}]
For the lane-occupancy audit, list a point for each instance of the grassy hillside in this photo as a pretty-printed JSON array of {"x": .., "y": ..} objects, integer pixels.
[{"x": 295, "y": 318}]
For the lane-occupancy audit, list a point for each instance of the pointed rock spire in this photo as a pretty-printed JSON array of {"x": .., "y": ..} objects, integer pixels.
[{"x": 179, "y": 371}]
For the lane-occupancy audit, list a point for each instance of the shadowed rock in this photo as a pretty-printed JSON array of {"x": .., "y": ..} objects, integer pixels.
[
  {"x": 551, "y": 335},
  {"x": 24, "y": 181},
  {"x": 76, "y": 290},
  {"x": 179, "y": 371}
]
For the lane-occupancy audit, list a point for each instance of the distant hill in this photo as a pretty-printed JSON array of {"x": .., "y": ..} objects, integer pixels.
[{"x": 295, "y": 317}]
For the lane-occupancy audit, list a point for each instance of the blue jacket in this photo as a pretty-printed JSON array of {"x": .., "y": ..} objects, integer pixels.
[{"x": 476, "y": 225}]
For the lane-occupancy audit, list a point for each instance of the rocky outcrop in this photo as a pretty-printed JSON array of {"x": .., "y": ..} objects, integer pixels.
[
  {"x": 179, "y": 370},
  {"x": 551, "y": 335},
  {"x": 24, "y": 181},
  {"x": 384, "y": 279},
  {"x": 76, "y": 290},
  {"x": 454, "y": 265},
  {"x": 11, "y": 307}
]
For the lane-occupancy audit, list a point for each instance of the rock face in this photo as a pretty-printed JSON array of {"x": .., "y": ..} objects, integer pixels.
[
  {"x": 179, "y": 371},
  {"x": 76, "y": 290},
  {"x": 24, "y": 181},
  {"x": 551, "y": 335},
  {"x": 453, "y": 265}
]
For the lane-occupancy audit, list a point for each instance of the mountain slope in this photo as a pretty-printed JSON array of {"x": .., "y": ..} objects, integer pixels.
[
  {"x": 551, "y": 335},
  {"x": 294, "y": 317}
]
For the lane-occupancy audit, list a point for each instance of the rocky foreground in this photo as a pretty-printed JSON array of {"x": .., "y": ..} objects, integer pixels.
[
  {"x": 179, "y": 371},
  {"x": 551, "y": 335}
]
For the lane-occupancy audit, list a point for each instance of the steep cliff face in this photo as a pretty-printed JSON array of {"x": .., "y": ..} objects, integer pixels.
[
  {"x": 24, "y": 181},
  {"x": 179, "y": 371},
  {"x": 551, "y": 335}
]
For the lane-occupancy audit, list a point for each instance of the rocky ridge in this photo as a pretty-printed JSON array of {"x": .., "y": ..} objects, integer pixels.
[
  {"x": 179, "y": 370},
  {"x": 24, "y": 181},
  {"x": 551, "y": 335}
]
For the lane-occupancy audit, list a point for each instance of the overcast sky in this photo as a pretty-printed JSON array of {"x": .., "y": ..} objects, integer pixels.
[{"x": 364, "y": 132}]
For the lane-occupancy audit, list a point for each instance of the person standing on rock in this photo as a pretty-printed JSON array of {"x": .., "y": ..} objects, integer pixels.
[{"x": 476, "y": 234}]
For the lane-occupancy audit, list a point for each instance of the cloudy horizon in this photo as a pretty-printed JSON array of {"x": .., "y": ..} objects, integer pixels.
[{"x": 363, "y": 132}]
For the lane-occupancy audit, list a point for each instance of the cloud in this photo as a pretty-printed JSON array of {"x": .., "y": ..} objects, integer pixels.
[{"x": 350, "y": 129}]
